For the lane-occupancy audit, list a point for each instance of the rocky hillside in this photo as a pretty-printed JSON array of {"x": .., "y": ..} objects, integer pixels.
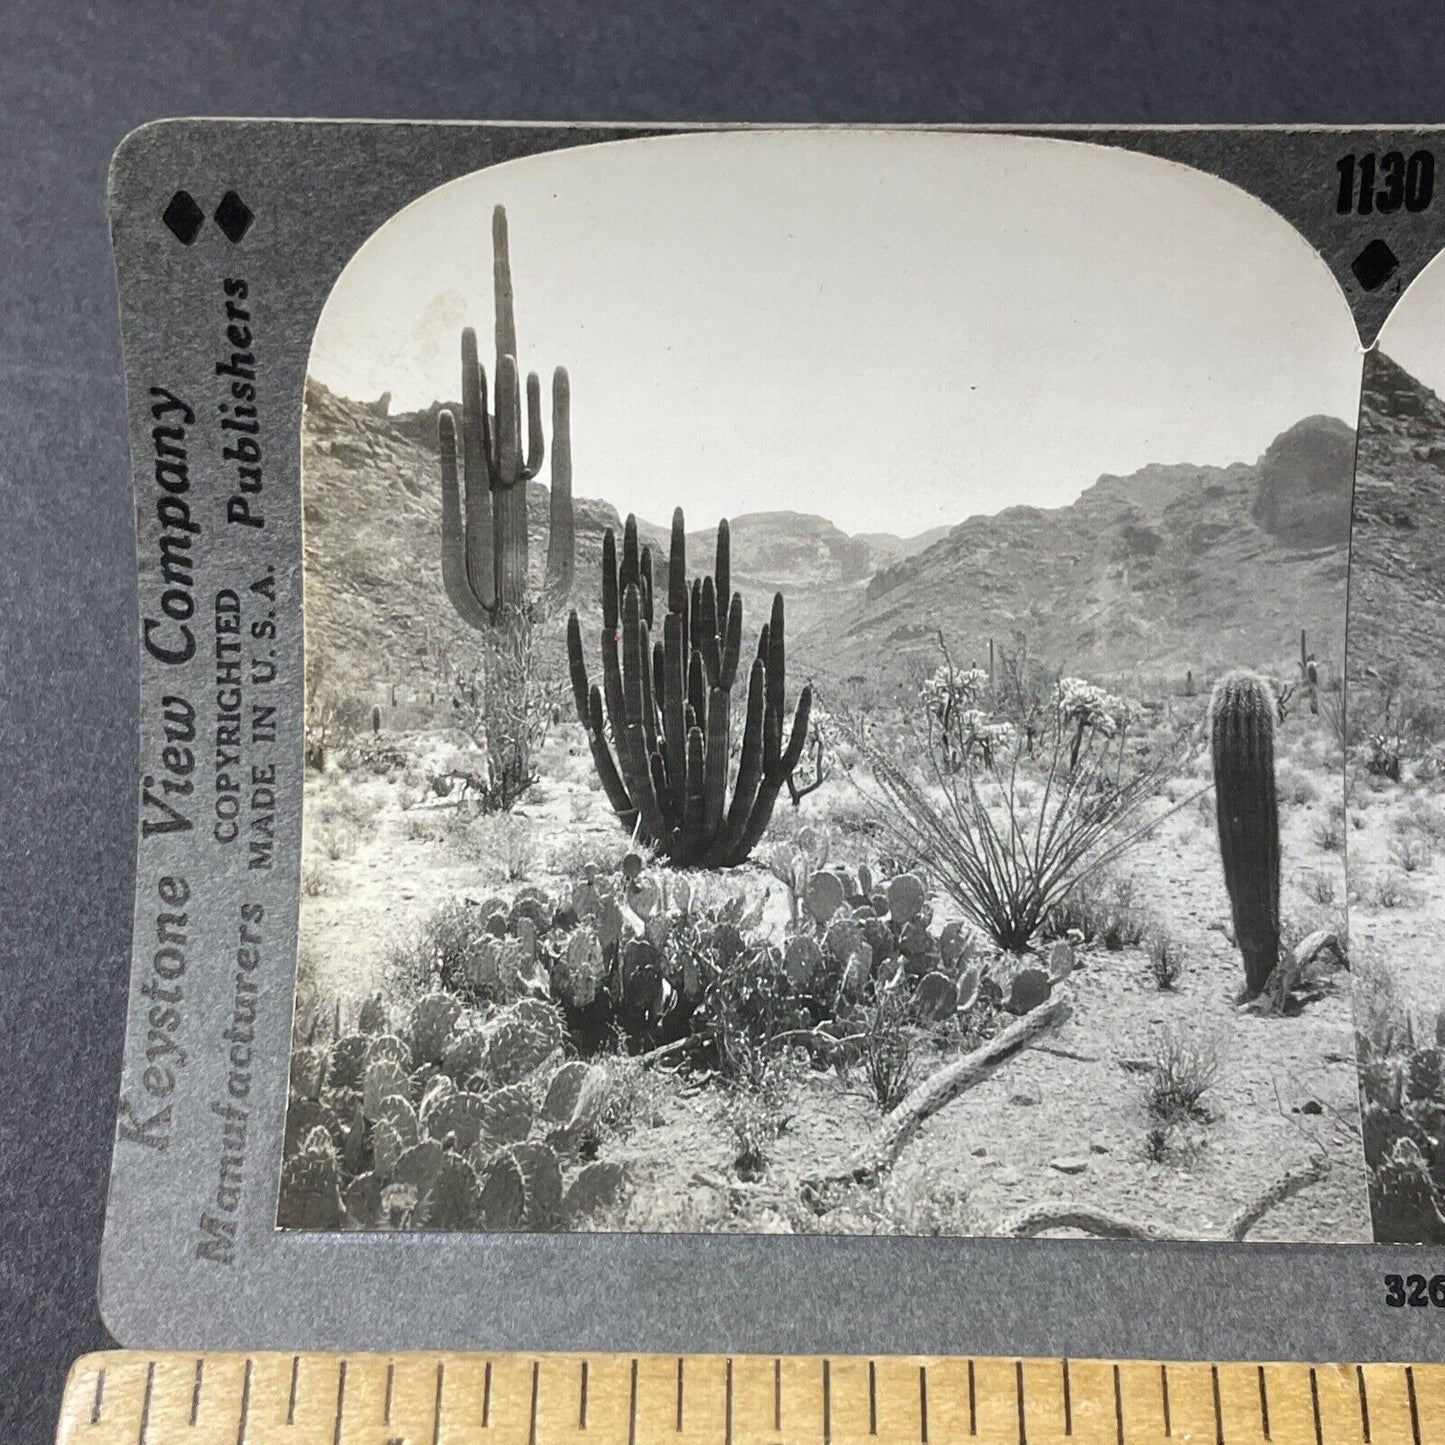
[
  {"x": 1397, "y": 586},
  {"x": 1172, "y": 568},
  {"x": 376, "y": 612}
]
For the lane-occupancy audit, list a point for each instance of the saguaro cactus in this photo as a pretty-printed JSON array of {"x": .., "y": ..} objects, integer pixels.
[
  {"x": 484, "y": 502},
  {"x": 668, "y": 704},
  {"x": 1241, "y": 720}
]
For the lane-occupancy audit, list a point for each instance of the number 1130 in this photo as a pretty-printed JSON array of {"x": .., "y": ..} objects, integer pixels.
[{"x": 1371, "y": 183}]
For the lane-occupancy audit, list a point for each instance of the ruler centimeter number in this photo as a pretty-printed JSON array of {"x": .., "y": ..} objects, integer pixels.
[{"x": 136, "y": 1398}]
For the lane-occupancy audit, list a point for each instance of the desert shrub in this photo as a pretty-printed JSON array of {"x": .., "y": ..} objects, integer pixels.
[
  {"x": 1007, "y": 864},
  {"x": 336, "y": 800},
  {"x": 1423, "y": 817},
  {"x": 756, "y": 1114},
  {"x": 422, "y": 828},
  {"x": 1330, "y": 830},
  {"x": 581, "y": 855},
  {"x": 910, "y": 1202},
  {"x": 1103, "y": 908},
  {"x": 1166, "y": 959},
  {"x": 1411, "y": 852},
  {"x": 1398, "y": 722},
  {"x": 337, "y": 840},
  {"x": 851, "y": 819},
  {"x": 633, "y": 1098},
  {"x": 1386, "y": 889},
  {"x": 503, "y": 844},
  {"x": 744, "y": 1010},
  {"x": 1318, "y": 885},
  {"x": 887, "y": 1050},
  {"x": 1183, "y": 1067},
  {"x": 317, "y": 881},
  {"x": 333, "y": 716},
  {"x": 453, "y": 950},
  {"x": 1295, "y": 787},
  {"x": 378, "y": 756}
]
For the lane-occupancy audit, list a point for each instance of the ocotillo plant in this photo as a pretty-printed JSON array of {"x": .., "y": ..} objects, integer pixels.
[
  {"x": 1241, "y": 720},
  {"x": 484, "y": 518},
  {"x": 668, "y": 705}
]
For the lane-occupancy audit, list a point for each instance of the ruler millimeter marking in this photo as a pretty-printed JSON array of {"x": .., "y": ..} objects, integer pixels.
[{"x": 135, "y": 1398}]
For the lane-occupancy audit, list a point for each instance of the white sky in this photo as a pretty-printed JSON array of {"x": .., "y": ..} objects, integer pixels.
[
  {"x": 892, "y": 330},
  {"x": 1414, "y": 332}
]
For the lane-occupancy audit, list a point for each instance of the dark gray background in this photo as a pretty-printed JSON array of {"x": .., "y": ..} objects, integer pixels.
[{"x": 74, "y": 78}]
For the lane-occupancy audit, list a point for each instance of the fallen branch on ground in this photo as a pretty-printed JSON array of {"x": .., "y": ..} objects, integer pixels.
[
  {"x": 939, "y": 1089},
  {"x": 1039, "y": 1218},
  {"x": 1280, "y": 986}
]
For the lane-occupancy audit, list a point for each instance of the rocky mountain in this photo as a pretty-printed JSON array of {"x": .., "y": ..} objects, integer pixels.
[
  {"x": 375, "y": 609},
  {"x": 1172, "y": 568},
  {"x": 1397, "y": 584}
]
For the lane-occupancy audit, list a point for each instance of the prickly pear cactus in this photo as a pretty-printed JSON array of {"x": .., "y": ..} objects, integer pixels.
[
  {"x": 375, "y": 1017},
  {"x": 432, "y": 1021},
  {"x": 416, "y": 1167},
  {"x": 1403, "y": 1123},
  {"x": 802, "y": 962},
  {"x": 906, "y": 897},
  {"x": 389, "y": 1046},
  {"x": 381, "y": 1081},
  {"x": 306, "y": 1115},
  {"x": 935, "y": 998},
  {"x": 348, "y": 1061},
  {"x": 503, "y": 1201},
  {"x": 1028, "y": 989},
  {"x": 824, "y": 896},
  {"x": 506, "y": 1115},
  {"x": 362, "y": 1201},
  {"x": 464, "y": 1056},
  {"x": 455, "y": 1119},
  {"x": 598, "y": 1186},
  {"x": 308, "y": 1071},
  {"x": 541, "y": 1183},
  {"x": 574, "y": 1095},
  {"x": 517, "y": 1046},
  {"x": 311, "y": 1188},
  {"x": 453, "y": 1199}
]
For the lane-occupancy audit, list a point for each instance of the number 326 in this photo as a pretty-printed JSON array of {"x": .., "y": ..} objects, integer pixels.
[{"x": 1414, "y": 1289}]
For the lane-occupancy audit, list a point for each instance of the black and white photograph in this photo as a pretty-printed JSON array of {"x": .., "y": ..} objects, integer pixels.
[
  {"x": 1395, "y": 779},
  {"x": 824, "y": 666}
]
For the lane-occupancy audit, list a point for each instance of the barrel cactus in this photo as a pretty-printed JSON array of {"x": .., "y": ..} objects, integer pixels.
[{"x": 1241, "y": 725}]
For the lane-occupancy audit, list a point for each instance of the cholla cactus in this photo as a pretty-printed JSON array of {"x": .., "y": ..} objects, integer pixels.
[
  {"x": 1088, "y": 708},
  {"x": 983, "y": 737},
  {"x": 950, "y": 688},
  {"x": 1092, "y": 706}
]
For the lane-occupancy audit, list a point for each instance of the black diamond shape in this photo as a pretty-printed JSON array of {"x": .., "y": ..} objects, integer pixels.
[
  {"x": 234, "y": 216},
  {"x": 1375, "y": 265},
  {"x": 183, "y": 217}
]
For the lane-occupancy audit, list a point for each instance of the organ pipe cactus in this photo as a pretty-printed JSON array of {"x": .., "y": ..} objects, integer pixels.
[
  {"x": 1241, "y": 720},
  {"x": 667, "y": 704},
  {"x": 485, "y": 475}
]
